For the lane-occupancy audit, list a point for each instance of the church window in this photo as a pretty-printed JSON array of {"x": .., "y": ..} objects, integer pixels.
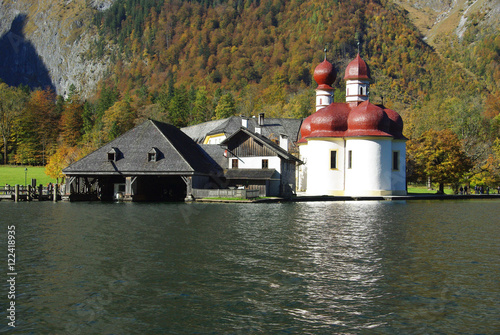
[
  {"x": 234, "y": 163},
  {"x": 395, "y": 160},
  {"x": 349, "y": 159},
  {"x": 333, "y": 159},
  {"x": 265, "y": 163}
]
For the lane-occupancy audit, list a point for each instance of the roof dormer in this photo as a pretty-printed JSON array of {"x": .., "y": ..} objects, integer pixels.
[
  {"x": 153, "y": 155},
  {"x": 113, "y": 154}
]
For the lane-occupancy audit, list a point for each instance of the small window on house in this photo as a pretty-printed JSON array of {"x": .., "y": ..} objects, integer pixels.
[
  {"x": 333, "y": 159},
  {"x": 153, "y": 155},
  {"x": 265, "y": 163},
  {"x": 349, "y": 159},
  {"x": 112, "y": 155},
  {"x": 395, "y": 160},
  {"x": 234, "y": 163}
]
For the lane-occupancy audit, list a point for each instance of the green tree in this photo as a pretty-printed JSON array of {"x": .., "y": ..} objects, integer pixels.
[
  {"x": 226, "y": 107},
  {"x": 438, "y": 155},
  {"x": 178, "y": 107},
  {"x": 201, "y": 107}
]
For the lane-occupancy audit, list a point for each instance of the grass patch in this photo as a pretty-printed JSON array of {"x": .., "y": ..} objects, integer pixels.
[
  {"x": 419, "y": 189},
  {"x": 15, "y": 174},
  {"x": 232, "y": 199}
]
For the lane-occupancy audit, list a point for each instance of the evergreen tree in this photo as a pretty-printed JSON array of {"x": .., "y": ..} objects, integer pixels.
[
  {"x": 226, "y": 107},
  {"x": 178, "y": 108}
]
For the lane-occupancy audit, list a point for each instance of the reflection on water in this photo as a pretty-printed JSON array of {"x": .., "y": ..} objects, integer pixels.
[{"x": 305, "y": 268}]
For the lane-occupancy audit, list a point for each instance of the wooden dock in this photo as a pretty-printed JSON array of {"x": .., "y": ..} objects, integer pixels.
[{"x": 29, "y": 193}]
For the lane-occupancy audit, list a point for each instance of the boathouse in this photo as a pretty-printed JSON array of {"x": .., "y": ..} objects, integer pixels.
[{"x": 154, "y": 161}]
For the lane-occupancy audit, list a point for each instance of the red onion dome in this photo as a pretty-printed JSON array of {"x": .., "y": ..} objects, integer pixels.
[
  {"x": 368, "y": 120},
  {"x": 357, "y": 69},
  {"x": 325, "y": 75},
  {"x": 305, "y": 129},
  {"x": 330, "y": 121},
  {"x": 395, "y": 123}
]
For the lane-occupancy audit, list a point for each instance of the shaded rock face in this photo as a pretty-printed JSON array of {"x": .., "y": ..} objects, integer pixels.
[
  {"x": 46, "y": 44},
  {"x": 19, "y": 60}
]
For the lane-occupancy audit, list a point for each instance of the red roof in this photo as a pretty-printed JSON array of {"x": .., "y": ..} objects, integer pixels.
[
  {"x": 357, "y": 69},
  {"x": 325, "y": 75},
  {"x": 342, "y": 120},
  {"x": 348, "y": 119}
]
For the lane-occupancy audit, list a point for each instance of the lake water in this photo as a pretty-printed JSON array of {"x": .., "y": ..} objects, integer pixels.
[{"x": 293, "y": 268}]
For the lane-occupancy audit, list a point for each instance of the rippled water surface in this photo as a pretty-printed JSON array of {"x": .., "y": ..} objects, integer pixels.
[{"x": 292, "y": 268}]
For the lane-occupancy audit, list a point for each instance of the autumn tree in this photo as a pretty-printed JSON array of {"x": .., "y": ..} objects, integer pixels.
[
  {"x": 38, "y": 128},
  {"x": 437, "y": 155},
  {"x": 71, "y": 122},
  {"x": 61, "y": 159},
  {"x": 12, "y": 101},
  {"x": 118, "y": 119}
]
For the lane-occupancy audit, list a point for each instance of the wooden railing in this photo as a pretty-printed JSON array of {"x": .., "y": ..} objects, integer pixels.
[{"x": 28, "y": 193}]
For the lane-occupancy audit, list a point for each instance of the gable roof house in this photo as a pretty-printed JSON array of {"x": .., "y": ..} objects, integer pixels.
[
  {"x": 256, "y": 162},
  {"x": 153, "y": 161}
]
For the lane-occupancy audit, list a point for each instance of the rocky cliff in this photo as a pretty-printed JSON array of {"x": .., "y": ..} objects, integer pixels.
[
  {"x": 44, "y": 43},
  {"x": 437, "y": 17}
]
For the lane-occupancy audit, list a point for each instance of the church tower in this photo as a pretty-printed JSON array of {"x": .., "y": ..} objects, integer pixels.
[
  {"x": 357, "y": 77},
  {"x": 324, "y": 75}
]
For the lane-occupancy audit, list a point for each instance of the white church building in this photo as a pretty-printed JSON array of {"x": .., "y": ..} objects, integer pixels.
[{"x": 354, "y": 148}]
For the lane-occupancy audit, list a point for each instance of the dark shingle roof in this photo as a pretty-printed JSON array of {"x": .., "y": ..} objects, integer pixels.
[
  {"x": 272, "y": 128},
  {"x": 217, "y": 153},
  {"x": 252, "y": 174},
  {"x": 177, "y": 154}
]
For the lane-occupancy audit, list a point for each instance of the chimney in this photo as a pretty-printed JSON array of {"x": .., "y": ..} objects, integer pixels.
[
  {"x": 244, "y": 122},
  {"x": 284, "y": 142},
  {"x": 261, "y": 119}
]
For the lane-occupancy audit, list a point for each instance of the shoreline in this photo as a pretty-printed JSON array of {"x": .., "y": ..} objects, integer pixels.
[{"x": 318, "y": 198}]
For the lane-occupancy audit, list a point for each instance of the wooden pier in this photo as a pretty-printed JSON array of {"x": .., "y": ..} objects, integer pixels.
[{"x": 29, "y": 193}]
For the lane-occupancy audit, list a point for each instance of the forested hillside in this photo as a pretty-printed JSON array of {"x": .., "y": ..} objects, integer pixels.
[{"x": 186, "y": 62}]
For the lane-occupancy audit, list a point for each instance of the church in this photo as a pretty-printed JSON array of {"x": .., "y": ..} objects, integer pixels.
[{"x": 354, "y": 148}]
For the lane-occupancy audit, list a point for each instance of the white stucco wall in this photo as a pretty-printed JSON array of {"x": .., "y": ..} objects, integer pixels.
[
  {"x": 370, "y": 174},
  {"x": 302, "y": 169},
  {"x": 353, "y": 90},
  {"x": 399, "y": 176},
  {"x": 323, "y": 98},
  {"x": 274, "y": 162},
  {"x": 321, "y": 179}
]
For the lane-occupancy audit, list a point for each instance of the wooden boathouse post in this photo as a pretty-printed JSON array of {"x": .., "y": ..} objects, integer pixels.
[
  {"x": 16, "y": 193},
  {"x": 54, "y": 192}
]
